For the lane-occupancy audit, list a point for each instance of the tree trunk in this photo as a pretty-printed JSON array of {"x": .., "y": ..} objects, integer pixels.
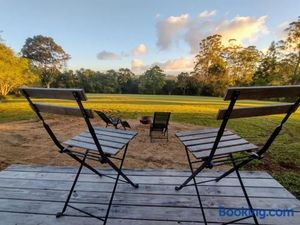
[
  {"x": 48, "y": 85},
  {"x": 296, "y": 69}
]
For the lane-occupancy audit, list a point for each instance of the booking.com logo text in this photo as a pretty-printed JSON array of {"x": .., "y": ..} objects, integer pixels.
[{"x": 260, "y": 213}]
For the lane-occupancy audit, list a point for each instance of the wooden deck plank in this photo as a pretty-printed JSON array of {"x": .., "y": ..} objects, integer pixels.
[
  {"x": 145, "y": 199},
  {"x": 139, "y": 179},
  {"x": 206, "y": 190},
  {"x": 31, "y": 195},
  {"x": 130, "y": 212},
  {"x": 136, "y": 172}
]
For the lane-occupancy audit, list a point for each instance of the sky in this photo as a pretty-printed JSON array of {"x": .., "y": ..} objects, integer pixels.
[{"x": 137, "y": 34}]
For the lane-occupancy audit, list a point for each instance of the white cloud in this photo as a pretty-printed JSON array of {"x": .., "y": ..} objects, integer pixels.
[
  {"x": 140, "y": 50},
  {"x": 244, "y": 29},
  {"x": 169, "y": 28},
  {"x": 207, "y": 13},
  {"x": 106, "y": 55},
  {"x": 172, "y": 66},
  {"x": 138, "y": 66},
  {"x": 175, "y": 66}
]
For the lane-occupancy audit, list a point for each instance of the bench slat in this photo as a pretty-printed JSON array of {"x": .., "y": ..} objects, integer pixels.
[
  {"x": 54, "y": 93},
  {"x": 255, "y": 111},
  {"x": 63, "y": 110},
  {"x": 264, "y": 92}
]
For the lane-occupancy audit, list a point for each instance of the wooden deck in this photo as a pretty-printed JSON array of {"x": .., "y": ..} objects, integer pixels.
[{"x": 31, "y": 195}]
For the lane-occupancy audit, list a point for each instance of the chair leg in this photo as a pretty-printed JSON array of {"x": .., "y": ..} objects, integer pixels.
[
  {"x": 119, "y": 171},
  {"x": 115, "y": 185},
  {"x": 245, "y": 194},
  {"x": 59, "y": 214},
  {"x": 196, "y": 187}
]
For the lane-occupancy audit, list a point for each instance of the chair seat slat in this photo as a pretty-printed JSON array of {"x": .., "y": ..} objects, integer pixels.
[
  {"x": 210, "y": 140},
  {"x": 113, "y": 134},
  {"x": 209, "y": 146},
  {"x": 106, "y": 138},
  {"x": 226, "y": 150},
  {"x": 203, "y": 136},
  {"x": 79, "y": 144},
  {"x": 127, "y": 132},
  {"x": 195, "y": 132},
  {"x": 102, "y": 142}
]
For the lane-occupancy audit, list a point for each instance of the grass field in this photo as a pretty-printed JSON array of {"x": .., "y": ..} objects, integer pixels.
[{"x": 282, "y": 161}]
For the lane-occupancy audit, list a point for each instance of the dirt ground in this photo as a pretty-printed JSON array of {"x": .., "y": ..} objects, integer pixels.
[{"x": 26, "y": 142}]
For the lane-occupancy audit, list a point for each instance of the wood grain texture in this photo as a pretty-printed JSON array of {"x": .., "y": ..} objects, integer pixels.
[
  {"x": 264, "y": 92},
  {"x": 63, "y": 110},
  {"x": 54, "y": 93},
  {"x": 31, "y": 195},
  {"x": 255, "y": 111}
]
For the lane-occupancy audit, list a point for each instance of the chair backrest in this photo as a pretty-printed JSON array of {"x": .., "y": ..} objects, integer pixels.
[
  {"x": 56, "y": 93},
  {"x": 256, "y": 93},
  {"x": 104, "y": 117},
  {"x": 77, "y": 95},
  {"x": 161, "y": 119}
]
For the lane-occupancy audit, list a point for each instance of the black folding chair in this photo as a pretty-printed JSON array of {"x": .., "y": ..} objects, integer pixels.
[
  {"x": 160, "y": 124},
  {"x": 109, "y": 120},
  {"x": 98, "y": 144},
  {"x": 215, "y": 147}
]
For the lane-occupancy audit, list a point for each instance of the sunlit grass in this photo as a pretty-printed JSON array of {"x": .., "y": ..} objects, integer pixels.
[{"x": 283, "y": 158}]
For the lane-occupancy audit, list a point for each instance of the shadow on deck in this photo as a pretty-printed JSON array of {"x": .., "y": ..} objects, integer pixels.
[{"x": 32, "y": 195}]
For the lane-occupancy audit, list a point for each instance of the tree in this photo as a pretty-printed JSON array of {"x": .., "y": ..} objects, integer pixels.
[
  {"x": 14, "y": 71},
  {"x": 267, "y": 72},
  {"x": 170, "y": 86},
  {"x": 292, "y": 46},
  {"x": 241, "y": 63},
  {"x": 45, "y": 55},
  {"x": 210, "y": 68},
  {"x": 183, "y": 81},
  {"x": 124, "y": 76},
  {"x": 153, "y": 80}
]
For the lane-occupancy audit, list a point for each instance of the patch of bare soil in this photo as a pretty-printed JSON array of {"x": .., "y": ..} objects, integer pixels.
[{"x": 26, "y": 142}]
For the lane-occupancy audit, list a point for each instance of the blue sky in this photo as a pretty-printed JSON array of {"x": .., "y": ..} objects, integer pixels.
[{"x": 136, "y": 34}]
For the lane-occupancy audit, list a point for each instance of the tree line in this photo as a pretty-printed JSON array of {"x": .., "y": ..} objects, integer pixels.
[{"x": 218, "y": 65}]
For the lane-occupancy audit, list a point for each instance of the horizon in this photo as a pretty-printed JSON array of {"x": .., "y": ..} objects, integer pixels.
[{"x": 101, "y": 35}]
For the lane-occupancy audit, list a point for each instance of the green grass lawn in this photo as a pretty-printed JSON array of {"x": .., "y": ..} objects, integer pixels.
[{"x": 282, "y": 161}]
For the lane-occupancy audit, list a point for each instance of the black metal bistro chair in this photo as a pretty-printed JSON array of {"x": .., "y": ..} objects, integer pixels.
[
  {"x": 160, "y": 124},
  {"x": 215, "y": 147},
  {"x": 109, "y": 120},
  {"x": 97, "y": 144}
]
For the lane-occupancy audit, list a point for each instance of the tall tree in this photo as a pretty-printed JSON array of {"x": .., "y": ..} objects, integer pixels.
[
  {"x": 292, "y": 46},
  {"x": 124, "y": 76},
  {"x": 210, "y": 68},
  {"x": 47, "y": 56},
  {"x": 183, "y": 81},
  {"x": 267, "y": 72},
  {"x": 241, "y": 63},
  {"x": 14, "y": 71},
  {"x": 153, "y": 80}
]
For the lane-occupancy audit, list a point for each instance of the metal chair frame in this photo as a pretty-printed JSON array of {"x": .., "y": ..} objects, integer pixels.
[
  {"x": 80, "y": 157},
  {"x": 237, "y": 163}
]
